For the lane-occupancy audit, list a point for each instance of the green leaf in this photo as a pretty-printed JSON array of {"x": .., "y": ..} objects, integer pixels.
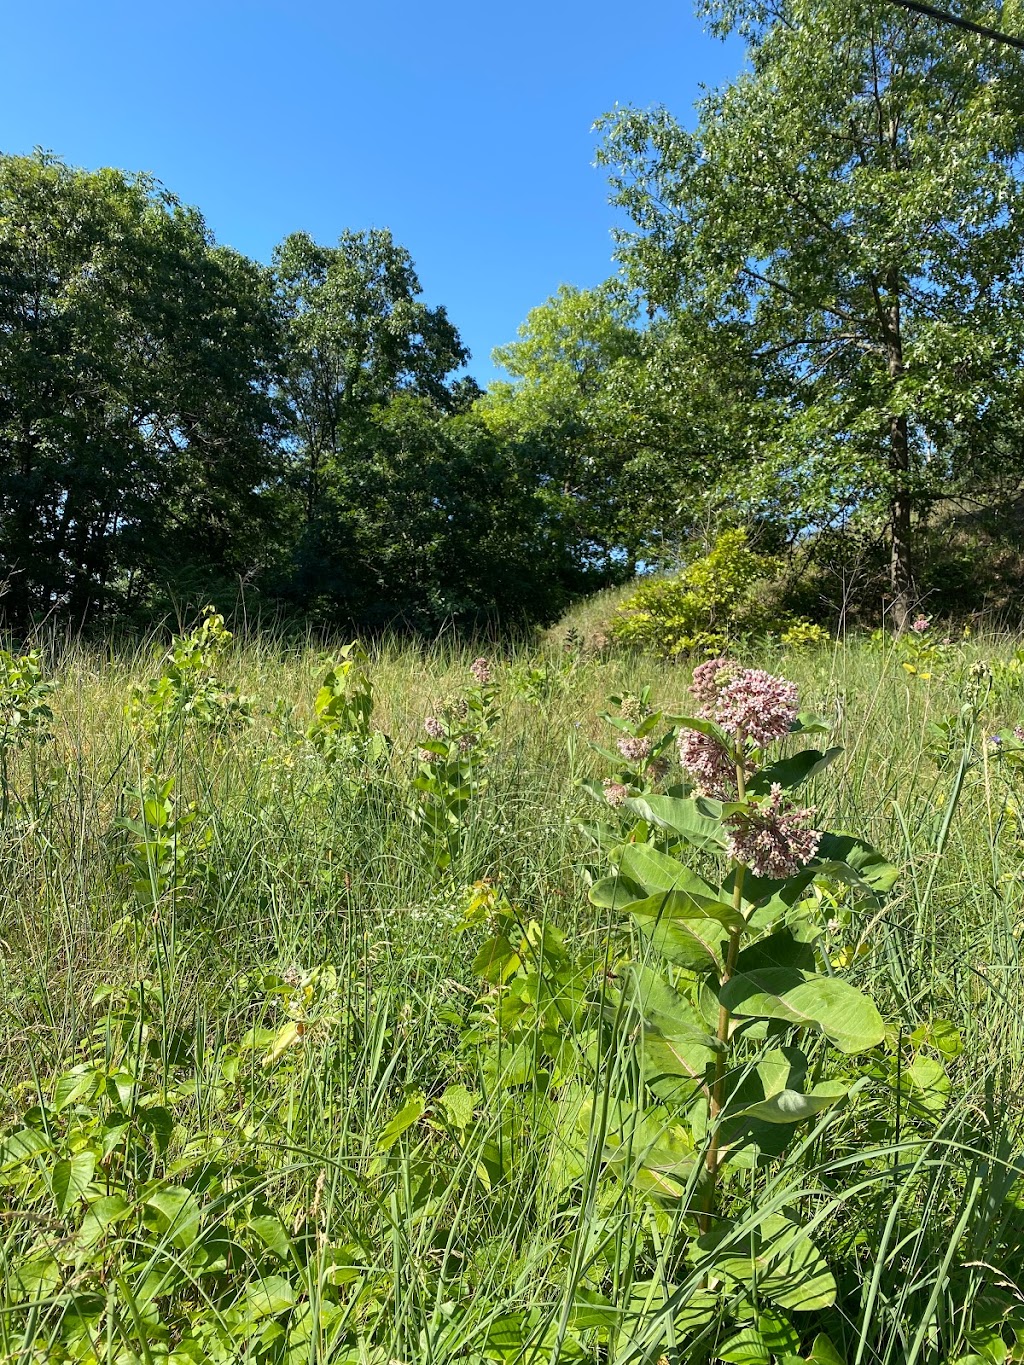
[
  {"x": 793, "y": 1106},
  {"x": 833, "y": 1007},
  {"x": 856, "y": 862},
  {"x": 269, "y": 1296},
  {"x": 682, "y": 816},
  {"x": 615, "y": 893},
  {"x": 694, "y": 943},
  {"x": 657, "y": 871},
  {"x": 100, "y": 1214},
  {"x": 458, "y": 1104},
  {"x": 687, "y": 905},
  {"x": 496, "y": 960},
  {"x": 273, "y": 1234},
  {"x": 824, "y": 1353},
  {"x": 745, "y": 1348},
  {"x": 780, "y": 1258},
  {"x": 409, "y": 1114},
  {"x": 791, "y": 772},
  {"x": 71, "y": 1178},
  {"x": 179, "y": 1216},
  {"x": 20, "y": 1146},
  {"x": 780, "y": 949}
]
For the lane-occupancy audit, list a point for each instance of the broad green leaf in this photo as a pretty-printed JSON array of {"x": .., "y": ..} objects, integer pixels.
[
  {"x": 657, "y": 871},
  {"x": 682, "y": 816},
  {"x": 496, "y": 960},
  {"x": 843, "y": 1014},
  {"x": 615, "y": 893},
  {"x": 791, "y": 772},
  {"x": 71, "y": 1178},
  {"x": 409, "y": 1114},
  {"x": 780, "y": 1258},
  {"x": 100, "y": 1214},
  {"x": 268, "y": 1296},
  {"x": 926, "y": 1084},
  {"x": 824, "y": 1353},
  {"x": 793, "y": 1106},
  {"x": 661, "y": 1007},
  {"x": 853, "y": 860},
  {"x": 272, "y": 1232},
  {"x": 179, "y": 1214},
  {"x": 685, "y": 1057},
  {"x": 687, "y": 905},
  {"x": 458, "y": 1104},
  {"x": 20, "y": 1146},
  {"x": 694, "y": 943},
  {"x": 780, "y": 949},
  {"x": 745, "y": 1348}
]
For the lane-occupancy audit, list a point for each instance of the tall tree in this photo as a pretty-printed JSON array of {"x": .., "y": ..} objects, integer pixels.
[
  {"x": 639, "y": 422},
  {"x": 853, "y": 202},
  {"x": 356, "y": 334},
  {"x": 136, "y": 431}
]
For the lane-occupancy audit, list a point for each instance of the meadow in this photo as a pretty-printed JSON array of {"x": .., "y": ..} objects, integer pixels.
[{"x": 317, "y": 1044}]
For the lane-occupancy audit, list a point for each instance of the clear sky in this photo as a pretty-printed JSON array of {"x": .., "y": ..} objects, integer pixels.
[{"x": 464, "y": 128}]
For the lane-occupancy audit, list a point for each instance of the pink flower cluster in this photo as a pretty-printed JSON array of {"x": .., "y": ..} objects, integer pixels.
[
  {"x": 434, "y": 727},
  {"x": 633, "y": 748},
  {"x": 481, "y": 671},
  {"x": 772, "y": 839},
  {"x": 615, "y": 793},
  {"x": 747, "y": 702},
  {"x": 756, "y": 705},
  {"x": 921, "y": 625},
  {"x": 713, "y": 771}
]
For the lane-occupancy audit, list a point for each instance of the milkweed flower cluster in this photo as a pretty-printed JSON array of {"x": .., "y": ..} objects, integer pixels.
[
  {"x": 634, "y": 748},
  {"x": 615, "y": 793},
  {"x": 434, "y": 727},
  {"x": 756, "y": 705},
  {"x": 747, "y": 703},
  {"x": 921, "y": 625},
  {"x": 773, "y": 840},
  {"x": 481, "y": 671},
  {"x": 713, "y": 771}
]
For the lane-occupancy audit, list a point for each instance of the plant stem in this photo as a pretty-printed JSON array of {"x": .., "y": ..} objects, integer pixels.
[{"x": 713, "y": 1160}]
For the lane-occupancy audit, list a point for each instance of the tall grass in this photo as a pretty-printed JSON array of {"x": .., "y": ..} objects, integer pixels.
[{"x": 447, "y": 1233}]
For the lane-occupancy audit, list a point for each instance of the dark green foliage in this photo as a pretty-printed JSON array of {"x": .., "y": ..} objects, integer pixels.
[{"x": 135, "y": 419}]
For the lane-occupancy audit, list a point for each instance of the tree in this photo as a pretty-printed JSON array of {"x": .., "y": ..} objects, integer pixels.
[
  {"x": 638, "y": 421},
  {"x": 852, "y": 203},
  {"x": 356, "y": 334},
  {"x": 136, "y": 431}
]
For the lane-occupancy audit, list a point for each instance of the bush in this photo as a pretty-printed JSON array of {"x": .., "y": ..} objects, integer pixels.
[{"x": 714, "y": 599}]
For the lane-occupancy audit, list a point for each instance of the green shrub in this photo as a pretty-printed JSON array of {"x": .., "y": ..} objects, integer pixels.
[{"x": 700, "y": 609}]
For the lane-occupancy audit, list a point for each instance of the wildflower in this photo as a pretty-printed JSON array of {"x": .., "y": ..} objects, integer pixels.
[
  {"x": 1018, "y": 732},
  {"x": 425, "y": 756},
  {"x": 634, "y": 748},
  {"x": 466, "y": 742},
  {"x": 996, "y": 741},
  {"x": 633, "y": 709},
  {"x": 771, "y": 839},
  {"x": 434, "y": 727},
  {"x": 712, "y": 769},
  {"x": 757, "y": 706},
  {"x": 481, "y": 671},
  {"x": 615, "y": 793},
  {"x": 921, "y": 625},
  {"x": 708, "y": 681}
]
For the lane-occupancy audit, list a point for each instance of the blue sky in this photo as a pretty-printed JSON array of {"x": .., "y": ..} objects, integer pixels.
[{"x": 465, "y": 128}]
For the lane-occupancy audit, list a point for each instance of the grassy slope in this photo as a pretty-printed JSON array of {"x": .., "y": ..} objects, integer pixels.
[{"x": 302, "y": 872}]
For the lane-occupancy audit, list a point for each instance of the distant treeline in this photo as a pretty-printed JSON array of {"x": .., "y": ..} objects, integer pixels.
[{"x": 816, "y": 330}]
